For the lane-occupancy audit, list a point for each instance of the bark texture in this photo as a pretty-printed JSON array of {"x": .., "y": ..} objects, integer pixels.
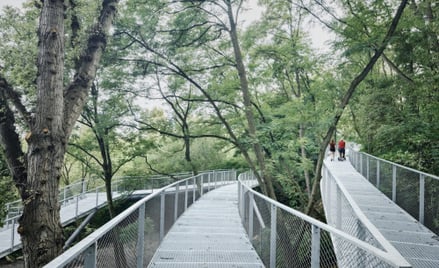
[{"x": 37, "y": 173}]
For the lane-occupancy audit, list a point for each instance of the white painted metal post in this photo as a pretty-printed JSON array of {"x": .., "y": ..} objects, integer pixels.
[
  {"x": 13, "y": 233},
  {"x": 250, "y": 216},
  {"x": 90, "y": 256},
  {"x": 393, "y": 183},
  {"x": 77, "y": 206},
  {"x": 97, "y": 196},
  {"x": 378, "y": 174},
  {"x": 361, "y": 164},
  {"x": 273, "y": 236},
  {"x": 64, "y": 195},
  {"x": 201, "y": 184},
  {"x": 194, "y": 187},
  {"x": 162, "y": 215},
  {"x": 186, "y": 194},
  {"x": 367, "y": 168},
  {"x": 338, "y": 210},
  {"x": 421, "y": 197},
  {"x": 315, "y": 246},
  {"x": 141, "y": 236},
  {"x": 177, "y": 189}
]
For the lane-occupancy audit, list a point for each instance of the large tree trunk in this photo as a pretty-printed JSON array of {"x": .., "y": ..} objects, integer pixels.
[
  {"x": 40, "y": 228},
  {"x": 37, "y": 174}
]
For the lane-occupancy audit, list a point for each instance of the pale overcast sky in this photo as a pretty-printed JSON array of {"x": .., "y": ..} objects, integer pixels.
[
  {"x": 318, "y": 36},
  {"x": 15, "y": 3}
]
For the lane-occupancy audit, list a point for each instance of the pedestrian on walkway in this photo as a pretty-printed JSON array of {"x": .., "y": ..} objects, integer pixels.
[
  {"x": 341, "y": 149},
  {"x": 332, "y": 149}
]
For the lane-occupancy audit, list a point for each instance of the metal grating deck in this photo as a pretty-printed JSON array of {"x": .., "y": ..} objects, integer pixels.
[{"x": 209, "y": 235}]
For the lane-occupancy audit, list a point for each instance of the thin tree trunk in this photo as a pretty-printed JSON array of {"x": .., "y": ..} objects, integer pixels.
[
  {"x": 305, "y": 170},
  {"x": 265, "y": 175},
  {"x": 354, "y": 84}
]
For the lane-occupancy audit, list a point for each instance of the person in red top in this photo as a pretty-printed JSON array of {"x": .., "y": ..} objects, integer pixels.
[{"x": 341, "y": 149}]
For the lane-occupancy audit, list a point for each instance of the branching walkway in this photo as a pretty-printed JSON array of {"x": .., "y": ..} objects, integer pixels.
[
  {"x": 76, "y": 209},
  {"x": 208, "y": 234}
]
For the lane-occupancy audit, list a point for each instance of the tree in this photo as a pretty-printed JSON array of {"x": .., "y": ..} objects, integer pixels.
[
  {"x": 50, "y": 123},
  {"x": 111, "y": 144}
]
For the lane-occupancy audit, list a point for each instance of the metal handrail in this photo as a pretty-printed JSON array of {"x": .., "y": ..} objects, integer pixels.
[
  {"x": 86, "y": 251},
  {"x": 358, "y": 158},
  {"x": 389, "y": 258}
]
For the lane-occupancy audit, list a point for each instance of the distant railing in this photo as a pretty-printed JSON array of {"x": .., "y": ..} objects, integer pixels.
[
  {"x": 284, "y": 237},
  {"x": 415, "y": 191},
  {"x": 131, "y": 238},
  {"x": 76, "y": 191}
]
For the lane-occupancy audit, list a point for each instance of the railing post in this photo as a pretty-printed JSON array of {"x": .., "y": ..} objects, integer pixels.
[
  {"x": 90, "y": 257},
  {"x": 208, "y": 182},
  {"x": 77, "y": 206},
  {"x": 84, "y": 187},
  {"x": 177, "y": 189},
  {"x": 367, "y": 168},
  {"x": 13, "y": 233},
  {"x": 64, "y": 195},
  {"x": 194, "y": 190},
  {"x": 239, "y": 199},
  {"x": 273, "y": 236},
  {"x": 315, "y": 246},
  {"x": 186, "y": 194},
  {"x": 162, "y": 215},
  {"x": 378, "y": 174},
  {"x": 393, "y": 183},
  {"x": 141, "y": 236},
  {"x": 361, "y": 164},
  {"x": 97, "y": 196},
  {"x": 250, "y": 217},
  {"x": 338, "y": 210},
  {"x": 421, "y": 197}
]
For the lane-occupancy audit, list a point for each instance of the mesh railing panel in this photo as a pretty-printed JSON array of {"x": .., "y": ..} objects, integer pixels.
[
  {"x": 408, "y": 192},
  {"x": 431, "y": 219},
  {"x": 120, "y": 242},
  {"x": 300, "y": 241}
]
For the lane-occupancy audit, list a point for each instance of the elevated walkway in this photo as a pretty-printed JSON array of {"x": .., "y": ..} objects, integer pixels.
[
  {"x": 208, "y": 234},
  {"x": 10, "y": 239},
  {"x": 377, "y": 214}
]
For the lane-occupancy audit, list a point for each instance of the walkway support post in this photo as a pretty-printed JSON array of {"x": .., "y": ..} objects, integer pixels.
[
  {"x": 177, "y": 189},
  {"x": 421, "y": 197},
  {"x": 250, "y": 216},
  {"x": 378, "y": 175},
  {"x": 90, "y": 256},
  {"x": 315, "y": 246},
  {"x": 162, "y": 215},
  {"x": 273, "y": 236},
  {"x": 141, "y": 236},
  {"x": 393, "y": 183}
]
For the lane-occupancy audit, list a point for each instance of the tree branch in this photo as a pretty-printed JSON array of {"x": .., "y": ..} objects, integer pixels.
[{"x": 14, "y": 97}]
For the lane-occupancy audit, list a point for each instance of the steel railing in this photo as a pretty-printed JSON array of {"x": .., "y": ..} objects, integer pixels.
[
  {"x": 72, "y": 196},
  {"x": 414, "y": 191},
  {"x": 284, "y": 237},
  {"x": 132, "y": 237},
  {"x": 76, "y": 191}
]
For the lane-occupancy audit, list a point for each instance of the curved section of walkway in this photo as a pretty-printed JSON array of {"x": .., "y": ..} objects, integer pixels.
[
  {"x": 208, "y": 234},
  {"x": 388, "y": 222}
]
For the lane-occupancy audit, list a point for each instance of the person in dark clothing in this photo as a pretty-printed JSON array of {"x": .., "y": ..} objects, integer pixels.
[
  {"x": 332, "y": 149},
  {"x": 341, "y": 149}
]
